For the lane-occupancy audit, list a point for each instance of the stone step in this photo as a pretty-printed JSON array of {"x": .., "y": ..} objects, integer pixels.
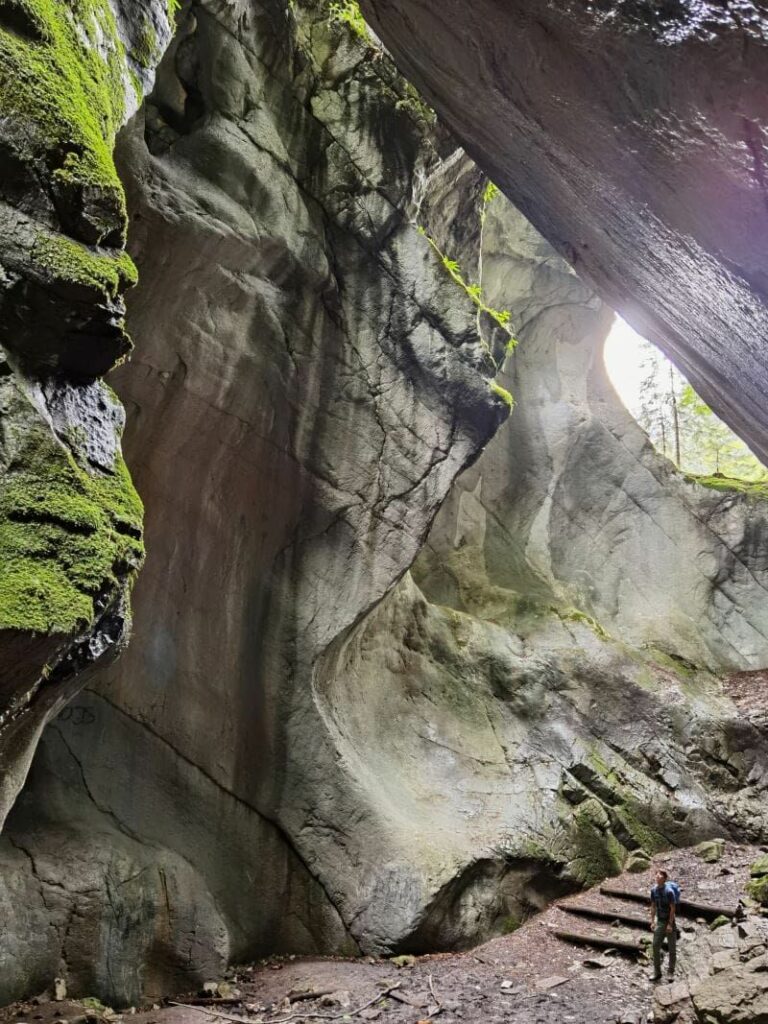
[
  {"x": 600, "y": 941},
  {"x": 689, "y": 908},
  {"x": 606, "y": 914}
]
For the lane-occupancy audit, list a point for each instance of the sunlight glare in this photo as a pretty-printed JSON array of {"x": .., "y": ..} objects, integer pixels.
[{"x": 623, "y": 353}]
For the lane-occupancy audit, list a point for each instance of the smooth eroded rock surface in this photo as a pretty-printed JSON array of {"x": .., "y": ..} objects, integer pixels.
[
  {"x": 308, "y": 748},
  {"x": 308, "y": 381}
]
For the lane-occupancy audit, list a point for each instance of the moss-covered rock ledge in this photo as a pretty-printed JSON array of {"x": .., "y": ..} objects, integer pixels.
[
  {"x": 71, "y": 73},
  {"x": 70, "y": 545}
]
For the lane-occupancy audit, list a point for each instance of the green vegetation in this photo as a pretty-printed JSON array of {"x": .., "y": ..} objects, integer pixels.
[
  {"x": 647, "y": 838},
  {"x": 597, "y": 853},
  {"x": 347, "y": 12},
  {"x": 575, "y": 615},
  {"x": 92, "y": 1003},
  {"x": 144, "y": 50},
  {"x": 474, "y": 291},
  {"x": 685, "y": 429},
  {"x": 490, "y": 192},
  {"x": 412, "y": 102},
  {"x": 63, "y": 94},
  {"x": 503, "y": 394},
  {"x": 757, "y": 888},
  {"x": 65, "y": 533},
  {"x": 753, "y": 488},
  {"x": 71, "y": 261},
  {"x": 510, "y": 924}
]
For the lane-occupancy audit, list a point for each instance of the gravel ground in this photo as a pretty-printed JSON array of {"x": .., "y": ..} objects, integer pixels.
[{"x": 528, "y": 977}]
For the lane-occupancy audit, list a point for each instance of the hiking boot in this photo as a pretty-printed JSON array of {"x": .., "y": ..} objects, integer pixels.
[
  {"x": 655, "y": 978},
  {"x": 670, "y": 977}
]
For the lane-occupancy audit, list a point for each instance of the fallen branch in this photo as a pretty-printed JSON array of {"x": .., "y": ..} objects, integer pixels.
[
  {"x": 292, "y": 1016},
  {"x": 438, "y": 1005},
  {"x": 298, "y": 997},
  {"x": 686, "y": 907},
  {"x": 603, "y": 914},
  {"x": 217, "y": 1014},
  {"x": 601, "y": 941}
]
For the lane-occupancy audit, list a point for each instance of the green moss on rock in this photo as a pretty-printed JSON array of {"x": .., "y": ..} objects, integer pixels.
[
  {"x": 647, "y": 838},
  {"x": 61, "y": 83},
  {"x": 503, "y": 394},
  {"x": 597, "y": 853},
  {"x": 108, "y": 273},
  {"x": 144, "y": 50},
  {"x": 510, "y": 924},
  {"x": 753, "y": 488},
  {"x": 66, "y": 534},
  {"x": 757, "y": 888}
]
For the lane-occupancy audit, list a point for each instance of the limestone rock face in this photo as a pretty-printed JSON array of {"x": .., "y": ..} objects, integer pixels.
[
  {"x": 571, "y": 507},
  {"x": 70, "y": 78},
  {"x": 88, "y": 902},
  {"x": 307, "y": 383},
  {"x": 70, "y": 520},
  {"x": 632, "y": 135},
  {"x": 507, "y": 759},
  {"x": 307, "y": 748}
]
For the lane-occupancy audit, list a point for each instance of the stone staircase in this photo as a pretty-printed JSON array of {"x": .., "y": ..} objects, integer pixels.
[{"x": 617, "y": 918}]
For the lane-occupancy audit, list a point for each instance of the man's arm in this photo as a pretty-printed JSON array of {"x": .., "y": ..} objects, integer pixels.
[
  {"x": 653, "y": 912},
  {"x": 672, "y": 912}
]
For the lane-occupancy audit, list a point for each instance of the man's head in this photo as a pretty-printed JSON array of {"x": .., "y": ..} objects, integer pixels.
[{"x": 661, "y": 877}]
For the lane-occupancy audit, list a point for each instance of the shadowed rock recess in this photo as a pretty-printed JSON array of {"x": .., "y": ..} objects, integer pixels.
[{"x": 403, "y": 669}]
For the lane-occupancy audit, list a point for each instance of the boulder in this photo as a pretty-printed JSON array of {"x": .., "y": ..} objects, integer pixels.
[
  {"x": 737, "y": 995},
  {"x": 637, "y": 862},
  {"x": 710, "y": 851}
]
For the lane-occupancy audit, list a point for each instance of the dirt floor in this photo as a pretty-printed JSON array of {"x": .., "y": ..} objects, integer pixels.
[
  {"x": 749, "y": 692},
  {"x": 530, "y": 976}
]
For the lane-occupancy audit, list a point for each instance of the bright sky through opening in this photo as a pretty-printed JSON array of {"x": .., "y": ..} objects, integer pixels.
[{"x": 624, "y": 353}]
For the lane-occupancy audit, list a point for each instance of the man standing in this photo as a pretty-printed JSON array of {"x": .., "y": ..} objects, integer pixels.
[{"x": 664, "y": 899}]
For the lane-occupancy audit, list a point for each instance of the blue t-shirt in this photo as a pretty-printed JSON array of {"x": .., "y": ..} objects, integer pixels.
[{"x": 663, "y": 897}]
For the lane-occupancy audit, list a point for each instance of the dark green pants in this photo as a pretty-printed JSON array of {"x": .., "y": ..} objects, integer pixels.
[{"x": 659, "y": 934}]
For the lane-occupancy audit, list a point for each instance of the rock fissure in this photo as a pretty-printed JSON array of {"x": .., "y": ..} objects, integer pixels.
[{"x": 284, "y": 836}]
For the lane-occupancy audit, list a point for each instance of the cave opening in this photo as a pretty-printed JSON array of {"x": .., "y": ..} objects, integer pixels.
[{"x": 679, "y": 424}]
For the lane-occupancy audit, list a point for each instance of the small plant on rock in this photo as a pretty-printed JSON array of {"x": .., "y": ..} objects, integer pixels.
[{"x": 348, "y": 13}]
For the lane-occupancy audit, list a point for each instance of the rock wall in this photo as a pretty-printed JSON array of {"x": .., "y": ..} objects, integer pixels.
[
  {"x": 570, "y": 507},
  {"x": 307, "y": 383},
  {"x": 70, "y": 520},
  {"x": 632, "y": 135},
  {"x": 543, "y": 708},
  {"x": 306, "y": 748}
]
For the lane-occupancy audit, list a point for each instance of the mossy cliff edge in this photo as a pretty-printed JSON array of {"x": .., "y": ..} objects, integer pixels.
[{"x": 71, "y": 73}]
